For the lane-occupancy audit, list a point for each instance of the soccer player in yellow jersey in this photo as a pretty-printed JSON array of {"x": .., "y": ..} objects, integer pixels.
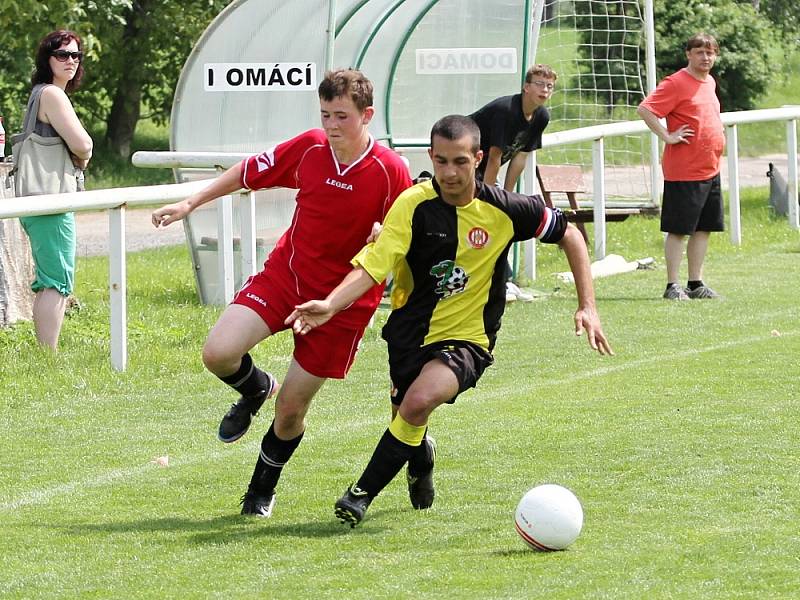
[{"x": 447, "y": 241}]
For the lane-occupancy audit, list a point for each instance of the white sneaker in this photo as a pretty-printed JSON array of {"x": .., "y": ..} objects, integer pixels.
[{"x": 513, "y": 290}]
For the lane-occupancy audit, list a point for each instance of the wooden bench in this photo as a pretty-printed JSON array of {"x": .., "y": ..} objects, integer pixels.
[
  {"x": 563, "y": 179},
  {"x": 568, "y": 179}
]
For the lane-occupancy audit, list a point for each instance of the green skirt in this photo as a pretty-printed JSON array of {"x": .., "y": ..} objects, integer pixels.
[{"x": 53, "y": 247}]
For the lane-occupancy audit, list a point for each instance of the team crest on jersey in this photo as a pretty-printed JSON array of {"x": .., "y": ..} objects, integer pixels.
[
  {"x": 478, "y": 237},
  {"x": 452, "y": 279}
]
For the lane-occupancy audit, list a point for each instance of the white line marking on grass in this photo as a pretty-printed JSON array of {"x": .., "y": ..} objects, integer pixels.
[
  {"x": 652, "y": 361},
  {"x": 44, "y": 495},
  {"x": 40, "y": 496}
]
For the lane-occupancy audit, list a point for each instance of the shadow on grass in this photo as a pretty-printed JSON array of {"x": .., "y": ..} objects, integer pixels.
[
  {"x": 223, "y": 529},
  {"x": 655, "y": 297},
  {"x": 523, "y": 552}
]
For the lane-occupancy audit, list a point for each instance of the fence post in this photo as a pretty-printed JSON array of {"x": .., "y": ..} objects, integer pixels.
[
  {"x": 225, "y": 246},
  {"x": 247, "y": 226},
  {"x": 529, "y": 188},
  {"x": 792, "y": 184},
  {"x": 117, "y": 287},
  {"x": 732, "y": 137},
  {"x": 599, "y": 193}
]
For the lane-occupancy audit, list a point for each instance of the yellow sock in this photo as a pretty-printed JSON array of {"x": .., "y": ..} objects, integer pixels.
[{"x": 406, "y": 432}]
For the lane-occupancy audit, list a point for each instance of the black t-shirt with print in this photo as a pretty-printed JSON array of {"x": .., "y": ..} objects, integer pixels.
[{"x": 503, "y": 125}]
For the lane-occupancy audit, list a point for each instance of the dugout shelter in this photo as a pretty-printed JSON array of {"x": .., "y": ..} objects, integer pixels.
[{"x": 251, "y": 80}]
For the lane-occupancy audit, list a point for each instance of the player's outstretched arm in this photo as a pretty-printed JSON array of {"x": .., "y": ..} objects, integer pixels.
[
  {"x": 225, "y": 184},
  {"x": 586, "y": 317},
  {"x": 314, "y": 313}
]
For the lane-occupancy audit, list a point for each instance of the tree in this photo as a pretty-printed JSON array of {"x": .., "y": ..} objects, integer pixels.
[
  {"x": 135, "y": 50},
  {"x": 16, "y": 267},
  {"x": 150, "y": 49},
  {"x": 785, "y": 18},
  {"x": 742, "y": 71}
]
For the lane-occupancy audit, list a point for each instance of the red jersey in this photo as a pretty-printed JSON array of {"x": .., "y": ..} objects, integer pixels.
[
  {"x": 685, "y": 100},
  {"x": 336, "y": 207}
]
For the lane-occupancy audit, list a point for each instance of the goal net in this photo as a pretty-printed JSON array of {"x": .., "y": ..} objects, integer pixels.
[{"x": 597, "y": 48}]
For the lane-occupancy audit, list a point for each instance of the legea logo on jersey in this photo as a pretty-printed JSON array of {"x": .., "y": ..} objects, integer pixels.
[
  {"x": 265, "y": 160},
  {"x": 457, "y": 61},
  {"x": 339, "y": 184},
  {"x": 255, "y": 298},
  {"x": 478, "y": 237},
  {"x": 259, "y": 77}
]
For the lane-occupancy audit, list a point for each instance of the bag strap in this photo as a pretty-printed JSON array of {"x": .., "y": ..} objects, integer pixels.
[
  {"x": 32, "y": 110},
  {"x": 29, "y": 122}
]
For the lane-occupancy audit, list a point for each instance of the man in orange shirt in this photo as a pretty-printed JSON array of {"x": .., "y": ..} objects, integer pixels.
[{"x": 694, "y": 138}]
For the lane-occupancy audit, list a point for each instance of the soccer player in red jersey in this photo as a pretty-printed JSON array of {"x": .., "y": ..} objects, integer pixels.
[{"x": 346, "y": 182}]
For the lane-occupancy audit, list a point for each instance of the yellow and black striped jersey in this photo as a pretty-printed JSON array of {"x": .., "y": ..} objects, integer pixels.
[{"x": 448, "y": 261}]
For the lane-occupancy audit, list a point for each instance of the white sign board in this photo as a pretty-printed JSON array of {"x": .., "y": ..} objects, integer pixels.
[
  {"x": 259, "y": 77},
  {"x": 458, "y": 61}
]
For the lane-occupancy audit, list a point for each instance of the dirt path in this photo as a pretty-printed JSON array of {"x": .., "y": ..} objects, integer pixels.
[{"x": 92, "y": 228}]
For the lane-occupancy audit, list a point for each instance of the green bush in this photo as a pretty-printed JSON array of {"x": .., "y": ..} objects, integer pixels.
[{"x": 742, "y": 71}]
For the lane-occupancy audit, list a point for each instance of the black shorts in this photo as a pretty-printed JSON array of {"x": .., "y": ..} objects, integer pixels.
[
  {"x": 691, "y": 206},
  {"x": 468, "y": 361}
]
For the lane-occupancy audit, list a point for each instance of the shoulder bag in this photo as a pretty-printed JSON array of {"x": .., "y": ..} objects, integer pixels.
[{"x": 42, "y": 165}]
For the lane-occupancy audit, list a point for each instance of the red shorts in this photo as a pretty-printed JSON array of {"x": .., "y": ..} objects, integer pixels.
[{"x": 327, "y": 351}]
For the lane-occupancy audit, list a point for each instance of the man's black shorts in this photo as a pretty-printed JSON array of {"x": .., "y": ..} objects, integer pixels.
[
  {"x": 468, "y": 361},
  {"x": 690, "y": 206}
]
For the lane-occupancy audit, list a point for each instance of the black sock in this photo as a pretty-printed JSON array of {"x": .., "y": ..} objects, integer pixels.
[
  {"x": 249, "y": 380},
  {"x": 275, "y": 453},
  {"x": 693, "y": 285},
  {"x": 421, "y": 460},
  {"x": 389, "y": 457}
]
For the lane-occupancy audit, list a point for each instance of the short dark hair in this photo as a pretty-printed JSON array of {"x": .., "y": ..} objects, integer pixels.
[
  {"x": 454, "y": 127},
  {"x": 702, "y": 40},
  {"x": 541, "y": 70},
  {"x": 350, "y": 83},
  {"x": 49, "y": 44}
]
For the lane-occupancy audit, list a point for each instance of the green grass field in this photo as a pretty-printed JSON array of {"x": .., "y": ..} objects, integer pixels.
[{"x": 682, "y": 448}]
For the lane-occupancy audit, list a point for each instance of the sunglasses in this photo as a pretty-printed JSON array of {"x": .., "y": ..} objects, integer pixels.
[{"x": 64, "y": 55}]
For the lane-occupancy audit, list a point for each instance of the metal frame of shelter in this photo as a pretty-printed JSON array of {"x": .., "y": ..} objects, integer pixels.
[{"x": 384, "y": 14}]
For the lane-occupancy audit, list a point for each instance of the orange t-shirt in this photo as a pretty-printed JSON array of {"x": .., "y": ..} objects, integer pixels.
[{"x": 684, "y": 100}]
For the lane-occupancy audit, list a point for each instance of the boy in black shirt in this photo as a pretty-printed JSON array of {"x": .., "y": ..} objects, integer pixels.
[{"x": 511, "y": 127}]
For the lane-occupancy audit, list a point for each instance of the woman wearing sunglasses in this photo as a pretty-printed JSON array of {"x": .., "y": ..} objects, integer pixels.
[{"x": 58, "y": 71}]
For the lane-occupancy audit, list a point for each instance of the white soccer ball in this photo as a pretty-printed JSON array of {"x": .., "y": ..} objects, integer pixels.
[{"x": 549, "y": 517}]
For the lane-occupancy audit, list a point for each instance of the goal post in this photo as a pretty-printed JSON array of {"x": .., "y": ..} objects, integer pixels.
[{"x": 604, "y": 54}]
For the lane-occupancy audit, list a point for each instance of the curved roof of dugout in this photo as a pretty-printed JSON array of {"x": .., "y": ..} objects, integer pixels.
[{"x": 426, "y": 59}]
